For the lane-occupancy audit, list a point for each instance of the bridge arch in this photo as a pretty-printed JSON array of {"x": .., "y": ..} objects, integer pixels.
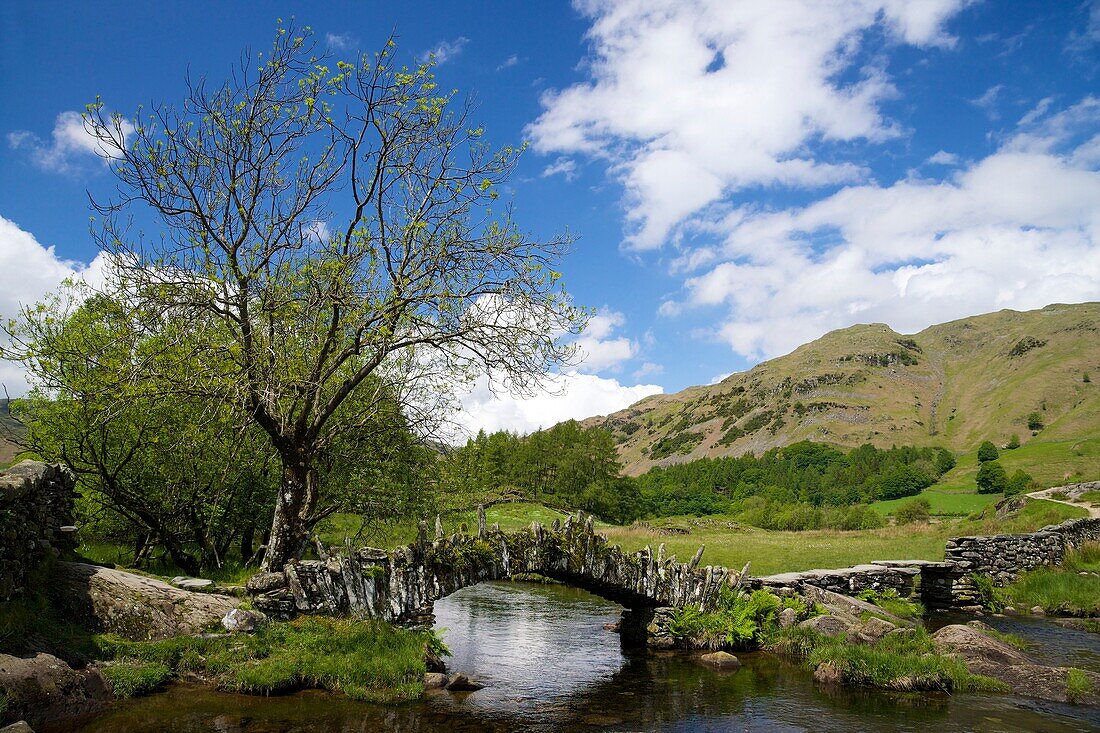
[{"x": 401, "y": 586}]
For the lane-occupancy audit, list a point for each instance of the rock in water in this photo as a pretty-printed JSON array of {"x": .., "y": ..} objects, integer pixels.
[
  {"x": 721, "y": 660},
  {"x": 434, "y": 680},
  {"x": 238, "y": 620},
  {"x": 827, "y": 674},
  {"x": 462, "y": 683}
]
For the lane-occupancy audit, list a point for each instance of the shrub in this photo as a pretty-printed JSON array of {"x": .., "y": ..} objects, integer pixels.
[
  {"x": 1085, "y": 378},
  {"x": 902, "y": 480},
  {"x": 987, "y": 452},
  {"x": 1035, "y": 421},
  {"x": 987, "y": 593},
  {"x": 1013, "y": 442},
  {"x": 991, "y": 478},
  {"x": 741, "y": 620},
  {"x": 911, "y": 512},
  {"x": 945, "y": 461},
  {"x": 1020, "y": 482}
]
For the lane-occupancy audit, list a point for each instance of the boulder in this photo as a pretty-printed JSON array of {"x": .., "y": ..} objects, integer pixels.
[
  {"x": 238, "y": 620},
  {"x": 994, "y": 658},
  {"x": 721, "y": 660},
  {"x": 462, "y": 683},
  {"x": 828, "y": 674},
  {"x": 43, "y": 688},
  {"x": 871, "y": 630},
  {"x": 19, "y": 727},
  {"x": 435, "y": 680},
  {"x": 972, "y": 645},
  {"x": 788, "y": 617},
  {"x": 1038, "y": 611},
  {"x": 826, "y": 625},
  {"x": 136, "y": 607}
]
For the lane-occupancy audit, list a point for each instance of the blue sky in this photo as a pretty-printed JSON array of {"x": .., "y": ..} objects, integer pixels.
[{"x": 741, "y": 176}]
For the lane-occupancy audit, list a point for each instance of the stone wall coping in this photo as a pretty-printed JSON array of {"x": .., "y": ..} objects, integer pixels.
[
  {"x": 932, "y": 564},
  {"x": 18, "y": 480}
]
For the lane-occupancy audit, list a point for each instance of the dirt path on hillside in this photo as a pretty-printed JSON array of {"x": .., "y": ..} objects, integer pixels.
[{"x": 1072, "y": 492}]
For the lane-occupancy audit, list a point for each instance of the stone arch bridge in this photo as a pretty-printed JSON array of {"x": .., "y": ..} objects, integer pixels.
[{"x": 401, "y": 586}]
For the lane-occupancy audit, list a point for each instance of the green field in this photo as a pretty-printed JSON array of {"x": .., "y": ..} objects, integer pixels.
[
  {"x": 732, "y": 545},
  {"x": 1050, "y": 464},
  {"x": 944, "y": 504}
]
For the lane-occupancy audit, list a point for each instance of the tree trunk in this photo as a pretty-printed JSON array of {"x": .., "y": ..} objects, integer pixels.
[{"x": 288, "y": 538}]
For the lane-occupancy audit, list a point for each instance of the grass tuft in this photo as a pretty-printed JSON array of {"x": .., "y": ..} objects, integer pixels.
[
  {"x": 1078, "y": 685},
  {"x": 133, "y": 679},
  {"x": 890, "y": 601}
]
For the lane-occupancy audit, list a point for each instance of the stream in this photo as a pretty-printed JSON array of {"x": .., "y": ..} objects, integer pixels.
[{"x": 549, "y": 665}]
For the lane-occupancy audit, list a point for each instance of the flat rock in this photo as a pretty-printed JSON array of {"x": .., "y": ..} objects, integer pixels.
[
  {"x": 462, "y": 683},
  {"x": 196, "y": 584},
  {"x": 721, "y": 660},
  {"x": 136, "y": 607},
  {"x": 826, "y": 625},
  {"x": 827, "y": 674}
]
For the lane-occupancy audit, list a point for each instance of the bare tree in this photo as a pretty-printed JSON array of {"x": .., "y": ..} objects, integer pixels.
[{"x": 338, "y": 224}]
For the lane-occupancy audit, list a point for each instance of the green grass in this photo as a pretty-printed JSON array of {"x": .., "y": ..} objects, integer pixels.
[
  {"x": 733, "y": 545},
  {"x": 1056, "y": 591},
  {"x": 1078, "y": 685},
  {"x": 902, "y": 662},
  {"x": 1085, "y": 559},
  {"x": 944, "y": 504},
  {"x": 1050, "y": 463},
  {"x": 1090, "y": 497},
  {"x": 889, "y": 601},
  {"x": 134, "y": 679},
  {"x": 365, "y": 660}
]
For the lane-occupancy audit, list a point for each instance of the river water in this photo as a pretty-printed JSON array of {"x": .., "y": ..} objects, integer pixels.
[{"x": 550, "y": 665}]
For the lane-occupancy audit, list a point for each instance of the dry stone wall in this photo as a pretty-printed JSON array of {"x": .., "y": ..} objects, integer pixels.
[
  {"x": 36, "y": 516},
  {"x": 1003, "y": 557}
]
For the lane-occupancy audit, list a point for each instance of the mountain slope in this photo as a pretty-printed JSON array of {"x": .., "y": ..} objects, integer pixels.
[{"x": 953, "y": 384}]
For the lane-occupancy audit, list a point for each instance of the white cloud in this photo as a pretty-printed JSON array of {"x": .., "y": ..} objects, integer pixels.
[
  {"x": 570, "y": 395},
  {"x": 28, "y": 271},
  {"x": 943, "y": 157},
  {"x": 599, "y": 349},
  {"x": 338, "y": 41},
  {"x": 508, "y": 62},
  {"x": 1018, "y": 229},
  {"x": 69, "y": 148},
  {"x": 989, "y": 100},
  {"x": 446, "y": 50},
  {"x": 648, "y": 369},
  {"x": 566, "y": 167},
  {"x": 692, "y": 101}
]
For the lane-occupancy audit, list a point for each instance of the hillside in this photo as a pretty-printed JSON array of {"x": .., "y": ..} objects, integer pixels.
[{"x": 952, "y": 385}]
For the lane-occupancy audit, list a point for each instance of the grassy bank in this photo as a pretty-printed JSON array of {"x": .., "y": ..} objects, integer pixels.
[
  {"x": 901, "y": 662},
  {"x": 1070, "y": 590},
  {"x": 364, "y": 660}
]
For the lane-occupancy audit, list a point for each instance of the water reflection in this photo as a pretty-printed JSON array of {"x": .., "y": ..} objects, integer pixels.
[{"x": 551, "y": 666}]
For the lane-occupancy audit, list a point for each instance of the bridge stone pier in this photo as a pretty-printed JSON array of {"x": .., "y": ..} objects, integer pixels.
[{"x": 401, "y": 586}]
